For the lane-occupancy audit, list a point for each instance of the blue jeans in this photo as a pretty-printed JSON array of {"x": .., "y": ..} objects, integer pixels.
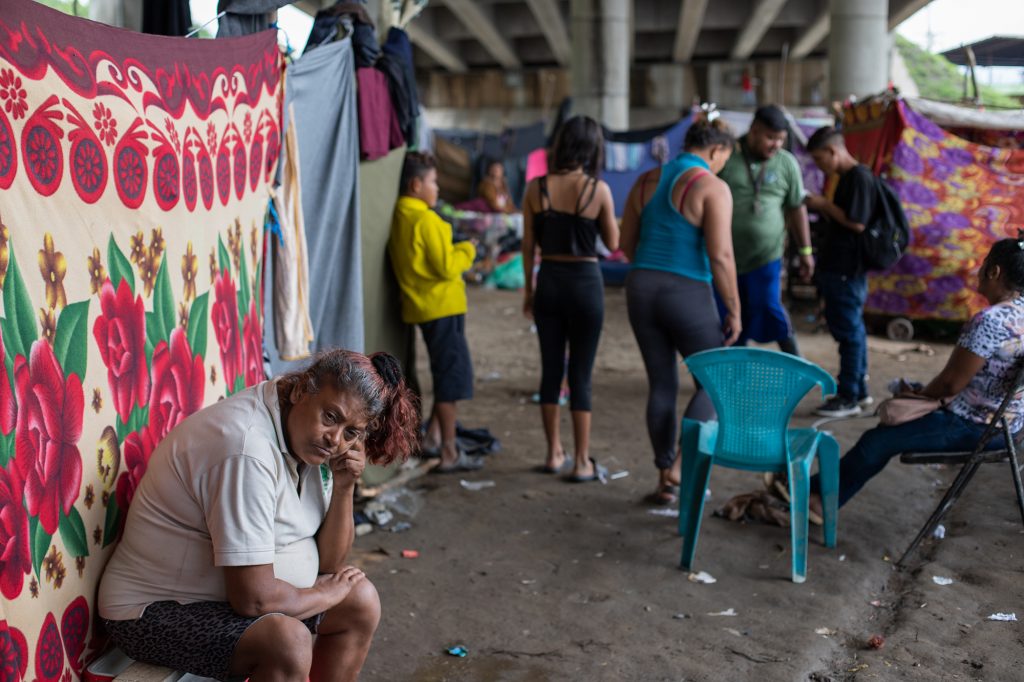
[
  {"x": 940, "y": 431},
  {"x": 844, "y": 313}
]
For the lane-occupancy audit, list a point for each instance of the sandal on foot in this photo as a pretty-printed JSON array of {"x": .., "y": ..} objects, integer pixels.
[
  {"x": 600, "y": 474},
  {"x": 564, "y": 468},
  {"x": 665, "y": 495},
  {"x": 463, "y": 463}
]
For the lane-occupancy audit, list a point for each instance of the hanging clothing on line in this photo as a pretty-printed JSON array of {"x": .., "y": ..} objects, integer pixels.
[
  {"x": 293, "y": 328},
  {"x": 338, "y": 21},
  {"x": 396, "y": 64},
  {"x": 621, "y": 157},
  {"x": 320, "y": 97},
  {"x": 245, "y": 17},
  {"x": 379, "y": 131},
  {"x": 166, "y": 17}
]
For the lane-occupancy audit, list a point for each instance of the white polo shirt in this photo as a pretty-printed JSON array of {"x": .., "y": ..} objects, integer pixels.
[{"x": 220, "y": 490}]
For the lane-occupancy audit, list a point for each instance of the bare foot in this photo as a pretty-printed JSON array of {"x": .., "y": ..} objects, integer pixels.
[{"x": 583, "y": 468}]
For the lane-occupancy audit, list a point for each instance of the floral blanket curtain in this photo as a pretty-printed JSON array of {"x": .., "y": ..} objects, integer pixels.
[
  {"x": 134, "y": 177},
  {"x": 959, "y": 197}
]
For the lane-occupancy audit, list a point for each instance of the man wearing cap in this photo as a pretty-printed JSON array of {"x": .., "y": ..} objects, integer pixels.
[{"x": 767, "y": 194}]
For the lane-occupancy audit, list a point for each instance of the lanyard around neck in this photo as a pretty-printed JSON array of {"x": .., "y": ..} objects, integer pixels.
[{"x": 750, "y": 173}]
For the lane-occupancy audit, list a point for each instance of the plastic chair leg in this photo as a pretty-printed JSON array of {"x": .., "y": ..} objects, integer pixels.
[
  {"x": 828, "y": 467},
  {"x": 696, "y": 469},
  {"x": 799, "y": 492}
]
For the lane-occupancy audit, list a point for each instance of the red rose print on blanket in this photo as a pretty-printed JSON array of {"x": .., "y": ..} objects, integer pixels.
[
  {"x": 15, "y": 557},
  {"x": 8, "y": 410},
  {"x": 179, "y": 381},
  {"x": 224, "y": 315},
  {"x": 137, "y": 448},
  {"x": 253, "y": 344},
  {"x": 50, "y": 410},
  {"x": 120, "y": 333}
]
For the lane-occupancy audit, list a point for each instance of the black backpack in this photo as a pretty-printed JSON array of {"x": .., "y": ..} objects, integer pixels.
[{"x": 885, "y": 239}]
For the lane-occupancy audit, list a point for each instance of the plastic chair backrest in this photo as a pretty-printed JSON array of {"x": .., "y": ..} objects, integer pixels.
[{"x": 755, "y": 391}]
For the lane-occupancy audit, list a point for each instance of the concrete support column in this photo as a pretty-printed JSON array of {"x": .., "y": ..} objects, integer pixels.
[
  {"x": 858, "y": 48},
  {"x": 600, "y": 60}
]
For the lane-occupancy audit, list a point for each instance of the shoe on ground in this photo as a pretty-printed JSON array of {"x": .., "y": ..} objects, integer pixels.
[
  {"x": 838, "y": 406},
  {"x": 866, "y": 402}
]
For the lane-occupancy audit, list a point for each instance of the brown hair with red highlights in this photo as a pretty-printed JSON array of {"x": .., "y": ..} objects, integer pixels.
[{"x": 392, "y": 408}]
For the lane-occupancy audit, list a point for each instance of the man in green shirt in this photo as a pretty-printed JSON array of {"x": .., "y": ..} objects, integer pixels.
[{"x": 767, "y": 194}]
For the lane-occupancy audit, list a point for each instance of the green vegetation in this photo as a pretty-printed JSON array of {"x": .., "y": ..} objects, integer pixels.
[{"x": 939, "y": 79}]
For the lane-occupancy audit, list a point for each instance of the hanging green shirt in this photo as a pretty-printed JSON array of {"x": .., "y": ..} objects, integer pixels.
[{"x": 759, "y": 236}]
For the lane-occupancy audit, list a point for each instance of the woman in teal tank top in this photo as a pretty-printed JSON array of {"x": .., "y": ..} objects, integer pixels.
[{"x": 676, "y": 231}]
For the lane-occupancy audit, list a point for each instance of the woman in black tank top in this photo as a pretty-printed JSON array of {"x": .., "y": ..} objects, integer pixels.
[{"x": 563, "y": 215}]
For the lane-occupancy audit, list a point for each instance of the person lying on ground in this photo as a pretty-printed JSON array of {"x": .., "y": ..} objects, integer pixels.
[
  {"x": 429, "y": 269},
  {"x": 972, "y": 385},
  {"x": 676, "y": 231},
  {"x": 234, "y": 557},
  {"x": 564, "y": 213}
]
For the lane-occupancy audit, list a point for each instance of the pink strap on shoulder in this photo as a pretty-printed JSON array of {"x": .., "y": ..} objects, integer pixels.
[{"x": 689, "y": 183}]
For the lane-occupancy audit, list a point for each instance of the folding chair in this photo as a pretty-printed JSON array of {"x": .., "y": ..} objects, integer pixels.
[{"x": 971, "y": 461}]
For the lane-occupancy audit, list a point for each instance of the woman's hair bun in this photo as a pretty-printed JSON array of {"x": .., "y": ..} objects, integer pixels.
[{"x": 388, "y": 368}]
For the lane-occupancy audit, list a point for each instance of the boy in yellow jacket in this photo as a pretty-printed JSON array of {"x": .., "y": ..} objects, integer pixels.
[{"x": 429, "y": 270}]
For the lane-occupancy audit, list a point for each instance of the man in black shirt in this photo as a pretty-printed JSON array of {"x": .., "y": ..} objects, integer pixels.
[{"x": 841, "y": 277}]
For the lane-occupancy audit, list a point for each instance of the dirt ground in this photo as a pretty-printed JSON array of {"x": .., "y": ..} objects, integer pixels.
[{"x": 543, "y": 580}]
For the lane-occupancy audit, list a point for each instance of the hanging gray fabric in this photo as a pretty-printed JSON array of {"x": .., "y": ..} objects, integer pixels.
[
  {"x": 320, "y": 90},
  {"x": 245, "y": 17}
]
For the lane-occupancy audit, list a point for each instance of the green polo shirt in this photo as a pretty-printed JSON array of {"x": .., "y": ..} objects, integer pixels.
[{"x": 759, "y": 239}]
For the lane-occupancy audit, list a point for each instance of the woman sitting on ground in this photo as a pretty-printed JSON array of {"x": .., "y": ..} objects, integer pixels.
[
  {"x": 563, "y": 215},
  {"x": 233, "y": 561},
  {"x": 973, "y": 383},
  {"x": 677, "y": 232},
  {"x": 493, "y": 189}
]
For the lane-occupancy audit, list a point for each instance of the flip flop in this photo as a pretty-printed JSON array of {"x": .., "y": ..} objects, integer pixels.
[
  {"x": 565, "y": 467},
  {"x": 600, "y": 474},
  {"x": 463, "y": 463},
  {"x": 665, "y": 495}
]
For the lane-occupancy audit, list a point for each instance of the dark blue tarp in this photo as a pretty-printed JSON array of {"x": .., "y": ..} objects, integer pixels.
[{"x": 622, "y": 181}]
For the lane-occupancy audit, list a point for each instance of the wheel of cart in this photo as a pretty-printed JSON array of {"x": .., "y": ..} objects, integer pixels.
[{"x": 899, "y": 329}]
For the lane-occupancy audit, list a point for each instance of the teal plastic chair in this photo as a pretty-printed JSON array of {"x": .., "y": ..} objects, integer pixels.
[{"x": 755, "y": 392}]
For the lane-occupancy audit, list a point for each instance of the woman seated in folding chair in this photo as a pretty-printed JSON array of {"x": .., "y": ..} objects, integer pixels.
[{"x": 971, "y": 386}]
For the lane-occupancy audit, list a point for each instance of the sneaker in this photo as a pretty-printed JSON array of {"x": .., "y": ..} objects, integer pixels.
[
  {"x": 866, "y": 401},
  {"x": 838, "y": 406}
]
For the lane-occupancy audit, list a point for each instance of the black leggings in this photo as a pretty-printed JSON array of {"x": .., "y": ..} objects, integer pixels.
[
  {"x": 568, "y": 306},
  {"x": 670, "y": 314}
]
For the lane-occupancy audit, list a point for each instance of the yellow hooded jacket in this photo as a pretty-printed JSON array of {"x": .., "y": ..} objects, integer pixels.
[{"x": 427, "y": 265}]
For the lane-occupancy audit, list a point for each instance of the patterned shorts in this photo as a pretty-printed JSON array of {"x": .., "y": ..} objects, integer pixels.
[{"x": 199, "y": 638}]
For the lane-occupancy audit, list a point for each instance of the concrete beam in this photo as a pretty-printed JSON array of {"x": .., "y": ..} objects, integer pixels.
[
  {"x": 551, "y": 22},
  {"x": 761, "y": 18},
  {"x": 812, "y": 36},
  {"x": 691, "y": 17},
  {"x": 481, "y": 26},
  {"x": 898, "y": 13},
  {"x": 438, "y": 50}
]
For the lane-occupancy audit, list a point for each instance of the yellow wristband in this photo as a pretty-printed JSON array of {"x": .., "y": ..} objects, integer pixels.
[{"x": 805, "y": 251}]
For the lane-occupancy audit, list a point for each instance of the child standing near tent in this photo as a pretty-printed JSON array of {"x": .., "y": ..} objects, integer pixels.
[
  {"x": 429, "y": 267},
  {"x": 564, "y": 212}
]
